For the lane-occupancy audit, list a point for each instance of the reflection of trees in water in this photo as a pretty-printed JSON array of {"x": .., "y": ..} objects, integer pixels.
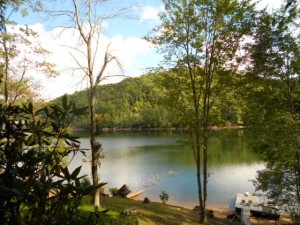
[
  {"x": 143, "y": 163},
  {"x": 227, "y": 146}
]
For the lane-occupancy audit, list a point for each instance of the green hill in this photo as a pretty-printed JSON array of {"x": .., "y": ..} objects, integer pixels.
[{"x": 139, "y": 103}]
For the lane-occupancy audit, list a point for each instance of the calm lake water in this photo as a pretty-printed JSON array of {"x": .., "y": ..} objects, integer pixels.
[{"x": 160, "y": 161}]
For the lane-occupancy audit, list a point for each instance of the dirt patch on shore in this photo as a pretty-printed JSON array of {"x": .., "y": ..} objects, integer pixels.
[
  {"x": 222, "y": 213},
  {"x": 260, "y": 221}
]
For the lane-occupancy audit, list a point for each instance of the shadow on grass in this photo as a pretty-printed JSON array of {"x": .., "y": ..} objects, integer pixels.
[
  {"x": 153, "y": 213},
  {"x": 147, "y": 214}
]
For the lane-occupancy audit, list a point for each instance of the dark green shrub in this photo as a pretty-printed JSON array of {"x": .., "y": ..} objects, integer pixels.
[
  {"x": 210, "y": 213},
  {"x": 113, "y": 190},
  {"x": 164, "y": 197},
  {"x": 35, "y": 187}
]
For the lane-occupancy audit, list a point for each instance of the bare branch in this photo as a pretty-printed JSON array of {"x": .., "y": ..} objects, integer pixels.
[
  {"x": 79, "y": 22},
  {"x": 75, "y": 49},
  {"x": 83, "y": 68},
  {"x": 97, "y": 45},
  {"x": 113, "y": 75},
  {"x": 108, "y": 58}
]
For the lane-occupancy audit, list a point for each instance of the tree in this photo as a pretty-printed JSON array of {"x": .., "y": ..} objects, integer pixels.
[
  {"x": 164, "y": 197},
  {"x": 3, "y": 6},
  {"x": 199, "y": 40},
  {"x": 35, "y": 186},
  {"x": 21, "y": 91},
  {"x": 21, "y": 56},
  {"x": 87, "y": 17},
  {"x": 275, "y": 69}
]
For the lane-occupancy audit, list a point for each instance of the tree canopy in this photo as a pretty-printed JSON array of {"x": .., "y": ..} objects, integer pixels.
[
  {"x": 208, "y": 77},
  {"x": 273, "y": 103},
  {"x": 199, "y": 41},
  {"x": 142, "y": 103}
]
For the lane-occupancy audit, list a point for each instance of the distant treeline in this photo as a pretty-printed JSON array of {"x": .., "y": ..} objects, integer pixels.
[{"x": 139, "y": 103}]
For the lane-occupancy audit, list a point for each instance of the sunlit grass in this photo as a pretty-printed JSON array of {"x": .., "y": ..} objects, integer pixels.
[{"x": 153, "y": 213}]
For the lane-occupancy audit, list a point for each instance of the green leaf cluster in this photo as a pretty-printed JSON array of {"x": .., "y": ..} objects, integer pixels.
[
  {"x": 271, "y": 90},
  {"x": 164, "y": 197},
  {"x": 35, "y": 187},
  {"x": 143, "y": 102}
]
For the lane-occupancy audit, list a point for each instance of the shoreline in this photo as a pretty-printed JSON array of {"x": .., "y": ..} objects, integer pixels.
[
  {"x": 187, "y": 205},
  {"x": 113, "y": 129},
  {"x": 220, "y": 210}
]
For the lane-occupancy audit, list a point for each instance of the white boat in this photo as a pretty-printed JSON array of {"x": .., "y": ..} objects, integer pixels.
[
  {"x": 249, "y": 205},
  {"x": 135, "y": 194},
  {"x": 247, "y": 201}
]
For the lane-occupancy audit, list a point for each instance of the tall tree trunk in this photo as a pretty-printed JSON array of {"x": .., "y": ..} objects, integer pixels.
[
  {"x": 205, "y": 177},
  {"x": 199, "y": 182},
  {"x": 94, "y": 150},
  {"x": 90, "y": 35}
]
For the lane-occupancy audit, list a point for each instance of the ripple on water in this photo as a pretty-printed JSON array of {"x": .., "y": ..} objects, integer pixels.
[{"x": 143, "y": 162}]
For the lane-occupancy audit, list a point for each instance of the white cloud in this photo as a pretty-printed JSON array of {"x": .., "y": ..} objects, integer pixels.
[
  {"x": 64, "y": 43},
  {"x": 128, "y": 51},
  {"x": 150, "y": 14},
  {"x": 269, "y": 4},
  {"x": 134, "y": 53}
]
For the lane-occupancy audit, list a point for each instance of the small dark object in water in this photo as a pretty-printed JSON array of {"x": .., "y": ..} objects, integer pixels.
[{"x": 146, "y": 200}]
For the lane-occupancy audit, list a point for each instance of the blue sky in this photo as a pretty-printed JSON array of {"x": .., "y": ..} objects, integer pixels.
[{"x": 124, "y": 35}]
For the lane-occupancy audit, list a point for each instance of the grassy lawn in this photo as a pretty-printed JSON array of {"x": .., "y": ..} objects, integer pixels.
[{"x": 146, "y": 214}]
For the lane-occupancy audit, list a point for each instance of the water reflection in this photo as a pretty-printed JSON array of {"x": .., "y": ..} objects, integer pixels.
[{"x": 142, "y": 160}]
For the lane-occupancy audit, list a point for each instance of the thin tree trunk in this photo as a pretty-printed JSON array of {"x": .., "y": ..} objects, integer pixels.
[
  {"x": 95, "y": 157},
  {"x": 205, "y": 177},
  {"x": 89, "y": 34},
  {"x": 199, "y": 183}
]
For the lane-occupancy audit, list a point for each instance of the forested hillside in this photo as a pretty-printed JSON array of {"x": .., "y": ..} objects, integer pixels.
[{"x": 140, "y": 103}]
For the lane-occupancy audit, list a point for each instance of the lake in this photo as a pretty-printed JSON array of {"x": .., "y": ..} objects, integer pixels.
[{"x": 160, "y": 161}]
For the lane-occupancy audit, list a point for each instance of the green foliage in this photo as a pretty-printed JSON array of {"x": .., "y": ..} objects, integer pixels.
[
  {"x": 199, "y": 40},
  {"x": 142, "y": 103},
  {"x": 113, "y": 190},
  {"x": 17, "y": 66},
  {"x": 272, "y": 87},
  {"x": 35, "y": 188},
  {"x": 164, "y": 197},
  {"x": 280, "y": 180},
  {"x": 210, "y": 213}
]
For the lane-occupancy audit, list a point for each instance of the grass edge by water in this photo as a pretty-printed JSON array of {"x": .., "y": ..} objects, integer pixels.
[{"x": 154, "y": 213}]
